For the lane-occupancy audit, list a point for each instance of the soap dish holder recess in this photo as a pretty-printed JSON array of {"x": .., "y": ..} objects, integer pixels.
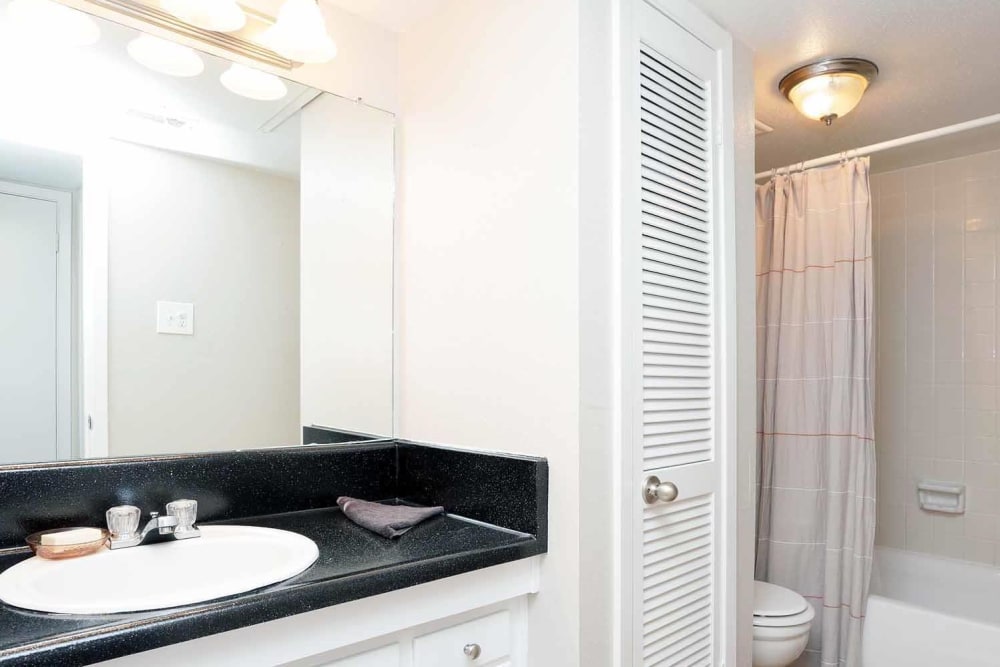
[{"x": 945, "y": 497}]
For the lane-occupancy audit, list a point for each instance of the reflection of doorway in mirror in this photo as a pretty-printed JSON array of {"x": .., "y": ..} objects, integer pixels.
[{"x": 36, "y": 326}]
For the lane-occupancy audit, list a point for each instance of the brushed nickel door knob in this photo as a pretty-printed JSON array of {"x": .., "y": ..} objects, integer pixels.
[
  {"x": 656, "y": 491},
  {"x": 472, "y": 650}
]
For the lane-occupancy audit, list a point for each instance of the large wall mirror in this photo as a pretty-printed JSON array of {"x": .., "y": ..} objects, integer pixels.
[{"x": 193, "y": 256}]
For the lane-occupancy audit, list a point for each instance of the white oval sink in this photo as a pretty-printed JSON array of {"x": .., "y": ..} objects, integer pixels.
[{"x": 225, "y": 560}]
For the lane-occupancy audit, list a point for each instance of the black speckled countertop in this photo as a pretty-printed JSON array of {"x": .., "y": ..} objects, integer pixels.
[{"x": 353, "y": 563}]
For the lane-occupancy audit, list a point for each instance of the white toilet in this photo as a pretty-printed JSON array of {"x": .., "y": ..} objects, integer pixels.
[{"x": 781, "y": 622}]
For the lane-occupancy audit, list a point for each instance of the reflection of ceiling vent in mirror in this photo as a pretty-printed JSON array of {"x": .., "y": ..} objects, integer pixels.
[
  {"x": 760, "y": 128},
  {"x": 169, "y": 120}
]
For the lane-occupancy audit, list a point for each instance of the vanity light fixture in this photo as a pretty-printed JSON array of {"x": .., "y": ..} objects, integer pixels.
[
  {"x": 165, "y": 57},
  {"x": 300, "y": 34},
  {"x": 828, "y": 89},
  {"x": 215, "y": 15},
  {"x": 53, "y": 22},
  {"x": 153, "y": 13},
  {"x": 253, "y": 83}
]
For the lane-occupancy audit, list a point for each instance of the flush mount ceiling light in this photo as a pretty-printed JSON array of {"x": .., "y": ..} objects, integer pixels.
[
  {"x": 300, "y": 34},
  {"x": 215, "y": 15},
  {"x": 253, "y": 83},
  {"x": 165, "y": 57},
  {"x": 53, "y": 22},
  {"x": 828, "y": 89}
]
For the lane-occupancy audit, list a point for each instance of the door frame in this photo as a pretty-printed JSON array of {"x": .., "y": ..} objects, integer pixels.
[
  {"x": 730, "y": 435},
  {"x": 64, "y": 306}
]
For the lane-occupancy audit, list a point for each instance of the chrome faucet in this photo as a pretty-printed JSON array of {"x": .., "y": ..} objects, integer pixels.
[{"x": 123, "y": 523}]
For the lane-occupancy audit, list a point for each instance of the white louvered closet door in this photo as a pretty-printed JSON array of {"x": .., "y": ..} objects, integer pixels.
[{"x": 672, "y": 332}]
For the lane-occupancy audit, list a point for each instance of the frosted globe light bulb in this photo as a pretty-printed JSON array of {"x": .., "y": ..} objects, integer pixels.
[
  {"x": 300, "y": 34},
  {"x": 165, "y": 57},
  {"x": 252, "y": 83}
]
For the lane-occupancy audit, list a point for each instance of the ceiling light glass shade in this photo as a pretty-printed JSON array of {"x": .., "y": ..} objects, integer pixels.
[
  {"x": 53, "y": 22},
  {"x": 829, "y": 95},
  {"x": 830, "y": 89},
  {"x": 253, "y": 83},
  {"x": 215, "y": 15},
  {"x": 300, "y": 34},
  {"x": 165, "y": 57}
]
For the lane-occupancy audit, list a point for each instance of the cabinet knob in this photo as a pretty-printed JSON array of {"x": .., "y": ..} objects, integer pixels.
[{"x": 473, "y": 651}]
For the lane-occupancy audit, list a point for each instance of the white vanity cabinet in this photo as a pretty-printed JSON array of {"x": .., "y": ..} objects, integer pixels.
[
  {"x": 490, "y": 637},
  {"x": 385, "y": 656},
  {"x": 487, "y": 639},
  {"x": 475, "y": 619}
]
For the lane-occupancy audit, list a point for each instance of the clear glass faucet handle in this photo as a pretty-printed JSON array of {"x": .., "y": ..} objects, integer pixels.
[
  {"x": 123, "y": 520},
  {"x": 185, "y": 510}
]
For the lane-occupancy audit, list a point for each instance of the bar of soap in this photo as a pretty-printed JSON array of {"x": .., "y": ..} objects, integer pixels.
[{"x": 71, "y": 536}]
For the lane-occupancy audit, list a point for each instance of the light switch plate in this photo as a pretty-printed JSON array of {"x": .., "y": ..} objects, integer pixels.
[{"x": 174, "y": 318}]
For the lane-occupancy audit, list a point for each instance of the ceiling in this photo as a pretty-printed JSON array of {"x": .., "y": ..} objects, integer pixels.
[
  {"x": 395, "y": 15},
  {"x": 939, "y": 61}
]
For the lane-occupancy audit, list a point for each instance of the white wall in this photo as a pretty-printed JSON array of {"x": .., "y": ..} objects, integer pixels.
[
  {"x": 226, "y": 239},
  {"x": 348, "y": 185},
  {"x": 746, "y": 352},
  {"x": 936, "y": 232},
  {"x": 597, "y": 317},
  {"x": 488, "y": 259}
]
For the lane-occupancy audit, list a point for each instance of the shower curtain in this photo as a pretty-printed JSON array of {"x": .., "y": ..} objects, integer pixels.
[{"x": 816, "y": 494}]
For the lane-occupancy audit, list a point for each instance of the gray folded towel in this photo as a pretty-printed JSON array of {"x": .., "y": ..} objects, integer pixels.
[{"x": 386, "y": 520}]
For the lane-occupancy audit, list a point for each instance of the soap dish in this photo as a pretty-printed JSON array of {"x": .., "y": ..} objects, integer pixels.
[{"x": 56, "y": 551}]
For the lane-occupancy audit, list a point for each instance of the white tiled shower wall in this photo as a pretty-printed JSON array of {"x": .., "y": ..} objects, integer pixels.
[{"x": 936, "y": 231}]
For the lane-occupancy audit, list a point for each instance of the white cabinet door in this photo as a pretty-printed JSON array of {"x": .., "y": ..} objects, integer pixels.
[
  {"x": 677, "y": 355},
  {"x": 483, "y": 641},
  {"x": 386, "y": 656}
]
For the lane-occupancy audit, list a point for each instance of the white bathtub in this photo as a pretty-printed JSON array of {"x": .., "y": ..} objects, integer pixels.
[{"x": 926, "y": 611}]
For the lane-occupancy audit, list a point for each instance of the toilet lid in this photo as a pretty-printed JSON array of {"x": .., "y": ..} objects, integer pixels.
[
  {"x": 801, "y": 619},
  {"x": 771, "y": 600}
]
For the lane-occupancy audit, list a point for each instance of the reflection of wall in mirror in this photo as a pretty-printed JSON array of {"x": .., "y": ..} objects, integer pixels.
[
  {"x": 225, "y": 238},
  {"x": 348, "y": 185}
]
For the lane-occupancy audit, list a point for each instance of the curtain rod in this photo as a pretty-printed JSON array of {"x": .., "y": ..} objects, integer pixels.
[{"x": 886, "y": 145}]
